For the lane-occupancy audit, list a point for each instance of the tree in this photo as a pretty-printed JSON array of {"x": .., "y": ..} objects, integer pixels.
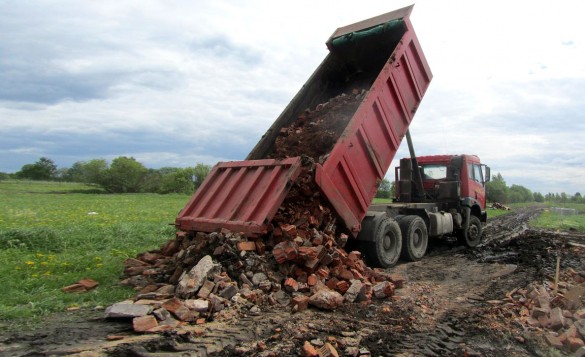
[
  {"x": 496, "y": 189},
  {"x": 200, "y": 172},
  {"x": 179, "y": 181},
  {"x": 125, "y": 175},
  {"x": 518, "y": 193},
  {"x": 386, "y": 189},
  {"x": 44, "y": 169},
  {"x": 4, "y": 176},
  {"x": 538, "y": 197}
]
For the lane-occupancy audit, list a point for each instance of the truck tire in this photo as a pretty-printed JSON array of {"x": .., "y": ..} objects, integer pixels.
[
  {"x": 415, "y": 238},
  {"x": 471, "y": 236},
  {"x": 385, "y": 250}
]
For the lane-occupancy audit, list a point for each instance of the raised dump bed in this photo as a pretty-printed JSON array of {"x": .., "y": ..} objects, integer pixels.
[{"x": 350, "y": 117}]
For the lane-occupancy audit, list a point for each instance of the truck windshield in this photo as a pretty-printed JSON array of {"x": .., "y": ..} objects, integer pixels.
[{"x": 434, "y": 172}]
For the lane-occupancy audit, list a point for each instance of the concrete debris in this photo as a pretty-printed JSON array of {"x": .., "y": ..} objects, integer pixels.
[
  {"x": 127, "y": 310},
  {"x": 326, "y": 299}
]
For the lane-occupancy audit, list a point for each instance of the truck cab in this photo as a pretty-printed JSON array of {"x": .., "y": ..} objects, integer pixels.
[{"x": 450, "y": 181}]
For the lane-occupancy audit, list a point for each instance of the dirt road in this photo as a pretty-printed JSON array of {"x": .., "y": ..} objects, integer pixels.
[{"x": 455, "y": 302}]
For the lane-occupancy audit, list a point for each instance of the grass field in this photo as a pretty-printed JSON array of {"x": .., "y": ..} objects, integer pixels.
[
  {"x": 54, "y": 234},
  {"x": 552, "y": 220}
]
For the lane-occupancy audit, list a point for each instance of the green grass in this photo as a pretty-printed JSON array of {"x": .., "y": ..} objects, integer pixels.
[
  {"x": 54, "y": 234},
  {"x": 552, "y": 220}
]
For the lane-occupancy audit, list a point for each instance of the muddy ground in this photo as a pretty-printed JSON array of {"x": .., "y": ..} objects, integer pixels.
[{"x": 451, "y": 305}]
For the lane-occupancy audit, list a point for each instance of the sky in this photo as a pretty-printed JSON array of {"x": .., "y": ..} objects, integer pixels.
[{"x": 176, "y": 83}]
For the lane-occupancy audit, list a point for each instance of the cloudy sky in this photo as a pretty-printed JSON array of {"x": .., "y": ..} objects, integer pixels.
[{"x": 175, "y": 83}]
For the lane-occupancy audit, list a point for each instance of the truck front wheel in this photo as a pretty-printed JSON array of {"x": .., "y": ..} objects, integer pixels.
[
  {"x": 384, "y": 251},
  {"x": 415, "y": 238},
  {"x": 472, "y": 235}
]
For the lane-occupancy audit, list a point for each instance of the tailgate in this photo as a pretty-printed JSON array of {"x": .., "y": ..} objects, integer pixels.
[{"x": 242, "y": 196}]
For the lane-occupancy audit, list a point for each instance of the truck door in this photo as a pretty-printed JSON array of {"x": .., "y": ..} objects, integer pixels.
[{"x": 476, "y": 183}]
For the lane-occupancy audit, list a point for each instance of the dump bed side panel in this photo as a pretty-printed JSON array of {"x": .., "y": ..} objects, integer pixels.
[
  {"x": 359, "y": 161},
  {"x": 241, "y": 196}
]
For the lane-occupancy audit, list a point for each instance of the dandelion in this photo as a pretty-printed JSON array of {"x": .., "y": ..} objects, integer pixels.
[
  {"x": 29, "y": 263},
  {"x": 44, "y": 264}
]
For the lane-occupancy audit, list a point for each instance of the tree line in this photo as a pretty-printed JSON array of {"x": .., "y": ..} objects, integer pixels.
[
  {"x": 122, "y": 175},
  {"x": 498, "y": 191},
  {"x": 126, "y": 175}
]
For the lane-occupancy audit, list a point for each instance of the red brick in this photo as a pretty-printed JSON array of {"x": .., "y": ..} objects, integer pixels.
[
  {"x": 312, "y": 280},
  {"x": 300, "y": 303},
  {"x": 206, "y": 289},
  {"x": 309, "y": 350},
  {"x": 307, "y": 253},
  {"x": 285, "y": 251},
  {"x": 328, "y": 351},
  {"x": 161, "y": 328},
  {"x": 383, "y": 289},
  {"x": 135, "y": 270},
  {"x": 332, "y": 283},
  {"x": 74, "y": 288},
  {"x": 342, "y": 286},
  {"x": 289, "y": 229},
  {"x": 149, "y": 257},
  {"x": 291, "y": 285},
  {"x": 260, "y": 247},
  {"x": 171, "y": 247},
  {"x": 247, "y": 246},
  {"x": 88, "y": 283},
  {"x": 345, "y": 274},
  {"x": 172, "y": 305},
  {"x": 323, "y": 272},
  {"x": 184, "y": 314},
  {"x": 144, "y": 323},
  {"x": 356, "y": 274}
]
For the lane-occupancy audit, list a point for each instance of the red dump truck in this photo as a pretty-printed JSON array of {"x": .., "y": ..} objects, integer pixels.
[{"x": 380, "y": 58}]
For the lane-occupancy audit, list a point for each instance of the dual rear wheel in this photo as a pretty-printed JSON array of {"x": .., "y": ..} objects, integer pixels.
[{"x": 405, "y": 236}]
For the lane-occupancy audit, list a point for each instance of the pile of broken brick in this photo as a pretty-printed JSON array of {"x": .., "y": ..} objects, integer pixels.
[
  {"x": 558, "y": 312},
  {"x": 199, "y": 277},
  {"x": 315, "y": 131}
]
